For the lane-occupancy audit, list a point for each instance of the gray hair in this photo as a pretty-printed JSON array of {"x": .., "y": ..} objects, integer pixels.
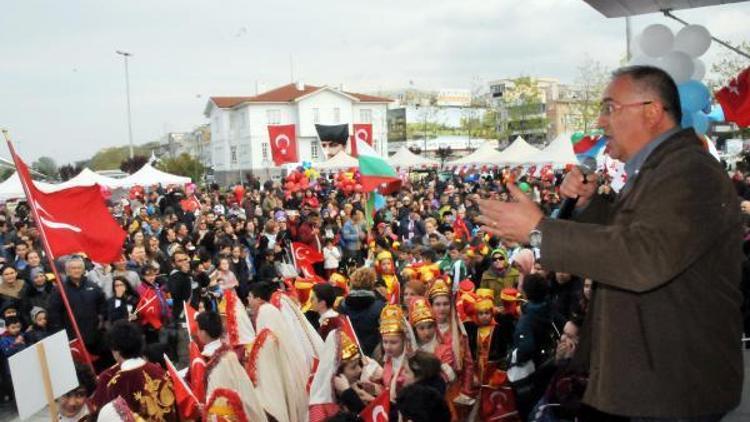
[{"x": 656, "y": 81}]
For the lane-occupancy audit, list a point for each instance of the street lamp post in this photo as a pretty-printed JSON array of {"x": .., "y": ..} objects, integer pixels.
[{"x": 125, "y": 56}]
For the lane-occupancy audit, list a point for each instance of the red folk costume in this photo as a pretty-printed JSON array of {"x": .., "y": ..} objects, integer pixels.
[
  {"x": 392, "y": 323},
  {"x": 451, "y": 334},
  {"x": 143, "y": 385},
  {"x": 420, "y": 313}
]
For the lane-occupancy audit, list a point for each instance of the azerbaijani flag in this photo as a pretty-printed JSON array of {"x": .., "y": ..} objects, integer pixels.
[
  {"x": 589, "y": 146},
  {"x": 374, "y": 171}
]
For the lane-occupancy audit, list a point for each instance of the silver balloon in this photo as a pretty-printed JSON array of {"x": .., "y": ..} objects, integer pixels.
[
  {"x": 699, "y": 70},
  {"x": 679, "y": 66},
  {"x": 656, "y": 40},
  {"x": 693, "y": 40}
]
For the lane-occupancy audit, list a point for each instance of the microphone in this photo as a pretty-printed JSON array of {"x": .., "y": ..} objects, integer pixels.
[{"x": 569, "y": 204}]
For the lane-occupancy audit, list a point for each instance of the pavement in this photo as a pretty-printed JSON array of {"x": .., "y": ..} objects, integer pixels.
[{"x": 740, "y": 414}]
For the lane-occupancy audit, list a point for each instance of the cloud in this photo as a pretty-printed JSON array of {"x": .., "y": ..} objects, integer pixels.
[{"x": 183, "y": 49}]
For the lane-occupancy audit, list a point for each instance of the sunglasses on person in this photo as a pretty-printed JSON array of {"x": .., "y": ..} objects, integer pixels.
[{"x": 498, "y": 258}]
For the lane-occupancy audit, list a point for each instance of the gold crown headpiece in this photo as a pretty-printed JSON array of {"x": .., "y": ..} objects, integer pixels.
[
  {"x": 392, "y": 320},
  {"x": 420, "y": 311}
]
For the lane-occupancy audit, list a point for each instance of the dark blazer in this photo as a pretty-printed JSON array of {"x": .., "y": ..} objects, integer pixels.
[{"x": 661, "y": 338}]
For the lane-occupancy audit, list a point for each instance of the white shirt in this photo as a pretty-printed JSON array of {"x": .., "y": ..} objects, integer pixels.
[{"x": 330, "y": 313}]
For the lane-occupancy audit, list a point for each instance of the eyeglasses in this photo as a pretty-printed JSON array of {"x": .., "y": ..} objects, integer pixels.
[
  {"x": 498, "y": 258},
  {"x": 607, "y": 108}
]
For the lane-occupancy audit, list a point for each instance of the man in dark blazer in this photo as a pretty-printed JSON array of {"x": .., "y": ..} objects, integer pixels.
[{"x": 655, "y": 344}]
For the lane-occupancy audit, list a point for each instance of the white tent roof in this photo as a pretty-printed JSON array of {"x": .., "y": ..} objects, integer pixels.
[
  {"x": 518, "y": 152},
  {"x": 486, "y": 154},
  {"x": 407, "y": 159},
  {"x": 339, "y": 161},
  {"x": 148, "y": 176},
  {"x": 11, "y": 188},
  {"x": 559, "y": 153},
  {"x": 88, "y": 177}
]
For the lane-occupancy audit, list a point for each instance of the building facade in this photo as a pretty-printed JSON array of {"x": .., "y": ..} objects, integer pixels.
[{"x": 239, "y": 141}]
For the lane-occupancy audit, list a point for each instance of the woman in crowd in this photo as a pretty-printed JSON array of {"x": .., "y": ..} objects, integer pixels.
[{"x": 124, "y": 301}]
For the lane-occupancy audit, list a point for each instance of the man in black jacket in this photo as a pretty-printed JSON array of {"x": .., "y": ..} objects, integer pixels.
[
  {"x": 180, "y": 283},
  {"x": 88, "y": 304}
]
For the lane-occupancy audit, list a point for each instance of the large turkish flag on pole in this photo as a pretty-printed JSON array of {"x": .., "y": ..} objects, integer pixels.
[
  {"x": 735, "y": 99},
  {"x": 73, "y": 220},
  {"x": 363, "y": 132},
  {"x": 283, "y": 144}
]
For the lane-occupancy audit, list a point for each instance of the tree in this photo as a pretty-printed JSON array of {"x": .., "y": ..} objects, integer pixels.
[
  {"x": 590, "y": 83},
  {"x": 111, "y": 158},
  {"x": 524, "y": 105},
  {"x": 132, "y": 165},
  {"x": 68, "y": 171},
  {"x": 484, "y": 127},
  {"x": 728, "y": 65},
  {"x": 183, "y": 165},
  {"x": 46, "y": 166}
]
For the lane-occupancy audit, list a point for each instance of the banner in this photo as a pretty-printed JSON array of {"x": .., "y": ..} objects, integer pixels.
[
  {"x": 283, "y": 141},
  {"x": 362, "y": 132}
]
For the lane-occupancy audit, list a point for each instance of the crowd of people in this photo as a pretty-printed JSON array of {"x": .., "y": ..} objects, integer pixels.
[{"x": 416, "y": 304}]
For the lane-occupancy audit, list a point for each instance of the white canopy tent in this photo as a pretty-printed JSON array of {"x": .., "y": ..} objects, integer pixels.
[
  {"x": 404, "y": 158},
  {"x": 559, "y": 153},
  {"x": 88, "y": 177},
  {"x": 148, "y": 176},
  {"x": 11, "y": 188},
  {"x": 518, "y": 152},
  {"x": 339, "y": 161},
  {"x": 486, "y": 154}
]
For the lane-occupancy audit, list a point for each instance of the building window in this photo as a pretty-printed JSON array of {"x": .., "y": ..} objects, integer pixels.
[
  {"x": 336, "y": 115},
  {"x": 264, "y": 150},
  {"x": 316, "y": 115},
  {"x": 365, "y": 115},
  {"x": 233, "y": 154},
  {"x": 314, "y": 150},
  {"x": 274, "y": 116}
]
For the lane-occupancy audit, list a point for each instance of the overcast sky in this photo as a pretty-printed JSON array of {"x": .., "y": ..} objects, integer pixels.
[{"x": 62, "y": 89}]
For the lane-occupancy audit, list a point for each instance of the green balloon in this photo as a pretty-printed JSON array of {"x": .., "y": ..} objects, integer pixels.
[{"x": 525, "y": 188}]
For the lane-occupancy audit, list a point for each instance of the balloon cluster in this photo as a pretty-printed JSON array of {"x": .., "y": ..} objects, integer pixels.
[
  {"x": 296, "y": 181},
  {"x": 348, "y": 181},
  {"x": 678, "y": 55}
]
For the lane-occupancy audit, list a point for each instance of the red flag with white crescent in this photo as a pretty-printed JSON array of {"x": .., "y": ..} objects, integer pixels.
[
  {"x": 735, "y": 99},
  {"x": 283, "y": 139},
  {"x": 363, "y": 132},
  {"x": 377, "y": 410},
  {"x": 305, "y": 257},
  {"x": 197, "y": 372},
  {"x": 185, "y": 399}
]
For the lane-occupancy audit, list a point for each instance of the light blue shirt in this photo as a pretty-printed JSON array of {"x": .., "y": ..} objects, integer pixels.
[{"x": 634, "y": 164}]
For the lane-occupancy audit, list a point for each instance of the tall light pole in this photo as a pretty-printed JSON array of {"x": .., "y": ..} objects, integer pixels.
[{"x": 125, "y": 56}]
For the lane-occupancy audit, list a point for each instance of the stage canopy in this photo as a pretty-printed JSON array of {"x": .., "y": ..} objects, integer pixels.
[
  {"x": 559, "y": 153},
  {"x": 620, "y": 8},
  {"x": 486, "y": 154},
  {"x": 339, "y": 161},
  {"x": 404, "y": 158},
  {"x": 88, "y": 177},
  {"x": 518, "y": 152},
  {"x": 148, "y": 175}
]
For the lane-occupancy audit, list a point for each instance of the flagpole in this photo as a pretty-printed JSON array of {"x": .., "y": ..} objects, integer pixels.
[{"x": 48, "y": 252}]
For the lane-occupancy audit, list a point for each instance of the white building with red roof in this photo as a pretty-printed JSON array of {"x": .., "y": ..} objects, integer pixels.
[{"x": 239, "y": 133}]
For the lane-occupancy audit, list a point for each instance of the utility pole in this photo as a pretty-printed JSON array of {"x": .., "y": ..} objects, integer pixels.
[{"x": 125, "y": 56}]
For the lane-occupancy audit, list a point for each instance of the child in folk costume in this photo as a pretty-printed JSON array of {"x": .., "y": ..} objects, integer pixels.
[
  {"x": 451, "y": 333},
  {"x": 395, "y": 343},
  {"x": 488, "y": 342},
  {"x": 387, "y": 278},
  {"x": 339, "y": 383},
  {"x": 422, "y": 321}
]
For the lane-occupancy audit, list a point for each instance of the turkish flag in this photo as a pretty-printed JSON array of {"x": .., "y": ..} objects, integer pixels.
[
  {"x": 283, "y": 140},
  {"x": 149, "y": 309},
  {"x": 187, "y": 403},
  {"x": 190, "y": 324},
  {"x": 197, "y": 372},
  {"x": 735, "y": 99},
  {"x": 304, "y": 258},
  {"x": 362, "y": 131},
  {"x": 73, "y": 220},
  {"x": 377, "y": 410},
  {"x": 79, "y": 353}
]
